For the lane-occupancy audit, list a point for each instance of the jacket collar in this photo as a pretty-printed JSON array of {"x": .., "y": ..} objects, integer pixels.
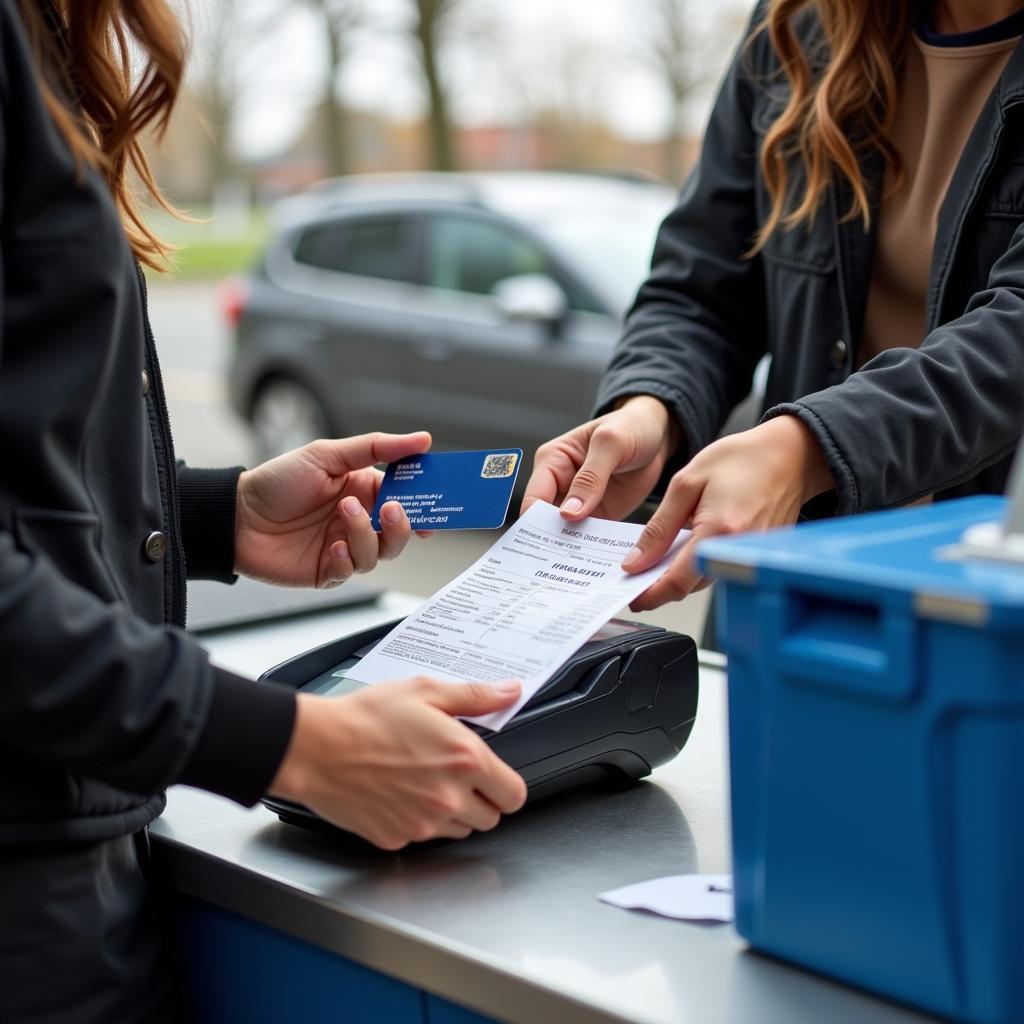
[
  {"x": 1011, "y": 83},
  {"x": 972, "y": 171},
  {"x": 855, "y": 247}
]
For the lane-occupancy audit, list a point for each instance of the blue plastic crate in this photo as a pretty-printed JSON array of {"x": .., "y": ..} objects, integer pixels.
[{"x": 876, "y": 729}]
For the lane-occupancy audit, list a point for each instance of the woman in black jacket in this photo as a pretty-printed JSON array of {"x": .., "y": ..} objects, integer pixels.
[
  {"x": 104, "y": 701},
  {"x": 854, "y": 214}
]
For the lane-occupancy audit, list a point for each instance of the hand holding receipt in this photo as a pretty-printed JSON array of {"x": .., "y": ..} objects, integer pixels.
[{"x": 533, "y": 599}]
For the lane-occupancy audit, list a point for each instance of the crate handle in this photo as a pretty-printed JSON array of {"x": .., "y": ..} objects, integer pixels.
[{"x": 852, "y": 645}]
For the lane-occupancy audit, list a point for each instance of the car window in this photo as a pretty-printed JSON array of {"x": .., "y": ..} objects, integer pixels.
[
  {"x": 470, "y": 255},
  {"x": 381, "y": 247},
  {"x": 467, "y": 254}
]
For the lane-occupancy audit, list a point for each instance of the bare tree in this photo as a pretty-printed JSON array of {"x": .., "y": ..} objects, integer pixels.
[
  {"x": 341, "y": 20},
  {"x": 431, "y": 23},
  {"x": 226, "y": 36},
  {"x": 553, "y": 85},
  {"x": 670, "y": 49},
  {"x": 577, "y": 77},
  {"x": 217, "y": 82}
]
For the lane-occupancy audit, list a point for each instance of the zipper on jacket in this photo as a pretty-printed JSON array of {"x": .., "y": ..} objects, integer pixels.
[
  {"x": 172, "y": 507},
  {"x": 844, "y": 276}
]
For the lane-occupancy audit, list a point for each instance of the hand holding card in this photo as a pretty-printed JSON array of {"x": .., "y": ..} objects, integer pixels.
[{"x": 452, "y": 490}]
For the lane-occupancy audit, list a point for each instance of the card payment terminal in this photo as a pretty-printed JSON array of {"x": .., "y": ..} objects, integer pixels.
[{"x": 623, "y": 704}]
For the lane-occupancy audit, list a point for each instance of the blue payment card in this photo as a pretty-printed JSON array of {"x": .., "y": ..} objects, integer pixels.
[{"x": 452, "y": 490}]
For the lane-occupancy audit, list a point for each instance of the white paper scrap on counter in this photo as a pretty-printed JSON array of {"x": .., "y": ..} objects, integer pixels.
[
  {"x": 521, "y": 610},
  {"x": 684, "y": 897}
]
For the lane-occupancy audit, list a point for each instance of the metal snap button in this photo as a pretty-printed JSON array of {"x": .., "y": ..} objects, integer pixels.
[
  {"x": 156, "y": 546},
  {"x": 145, "y": 383},
  {"x": 839, "y": 352}
]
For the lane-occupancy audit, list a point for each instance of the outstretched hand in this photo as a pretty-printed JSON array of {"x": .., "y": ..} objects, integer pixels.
[
  {"x": 303, "y": 520},
  {"x": 754, "y": 480},
  {"x": 608, "y": 466}
]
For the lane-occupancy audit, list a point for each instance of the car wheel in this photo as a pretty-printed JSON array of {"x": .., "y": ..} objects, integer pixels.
[{"x": 286, "y": 415}]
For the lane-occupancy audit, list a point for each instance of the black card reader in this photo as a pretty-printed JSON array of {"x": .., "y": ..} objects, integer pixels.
[{"x": 622, "y": 705}]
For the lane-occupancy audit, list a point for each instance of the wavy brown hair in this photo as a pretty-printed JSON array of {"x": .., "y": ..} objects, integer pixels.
[
  {"x": 837, "y": 111},
  {"x": 109, "y": 71}
]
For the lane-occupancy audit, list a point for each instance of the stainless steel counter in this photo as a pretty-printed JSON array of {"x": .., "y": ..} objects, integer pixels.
[{"x": 508, "y": 923}]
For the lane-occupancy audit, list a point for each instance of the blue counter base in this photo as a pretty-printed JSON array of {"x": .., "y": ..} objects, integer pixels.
[{"x": 235, "y": 970}]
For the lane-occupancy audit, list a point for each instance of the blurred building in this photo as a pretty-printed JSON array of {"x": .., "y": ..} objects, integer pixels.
[{"x": 186, "y": 159}]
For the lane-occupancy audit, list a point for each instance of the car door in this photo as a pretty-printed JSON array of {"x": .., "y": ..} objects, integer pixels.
[
  {"x": 353, "y": 313},
  {"x": 484, "y": 380}
]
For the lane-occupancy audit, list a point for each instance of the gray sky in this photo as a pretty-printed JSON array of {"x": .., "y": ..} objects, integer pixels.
[{"x": 510, "y": 56}]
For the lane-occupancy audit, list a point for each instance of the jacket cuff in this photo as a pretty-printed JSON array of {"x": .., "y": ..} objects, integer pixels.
[
  {"x": 207, "y": 499},
  {"x": 847, "y": 493},
  {"x": 247, "y": 732}
]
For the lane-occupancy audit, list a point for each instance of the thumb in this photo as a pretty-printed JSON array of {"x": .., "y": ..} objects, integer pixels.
[
  {"x": 349, "y": 453},
  {"x": 472, "y": 699},
  {"x": 605, "y": 454}
]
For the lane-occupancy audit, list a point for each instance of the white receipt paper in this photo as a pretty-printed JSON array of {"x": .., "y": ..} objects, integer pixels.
[
  {"x": 521, "y": 610},
  {"x": 684, "y": 897}
]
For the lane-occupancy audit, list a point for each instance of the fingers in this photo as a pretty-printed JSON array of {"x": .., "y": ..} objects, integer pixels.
[
  {"x": 456, "y": 817},
  {"x": 453, "y": 812},
  {"x": 425, "y": 831},
  {"x": 363, "y": 547},
  {"x": 680, "y": 579},
  {"x": 350, "y": 453},
  {"x": 607, "y": 452},
  {"x": 452, "y": 830},
  {"x": 477, "y": 813},
  {"x": 362, "y": 540},
  {"x": 663, "y": 527},
  {"x": 574, "y": 470},
  {"x": 553, "y": 470},
  {"x": 393, "y": 767},
  {"x": 499, "y": 784},
  {"x": 394, "y": 530},
  {"x": 470, "y": 699},
  {"x": 491, "y": 777},
  {"x": 339, "y": 565}
]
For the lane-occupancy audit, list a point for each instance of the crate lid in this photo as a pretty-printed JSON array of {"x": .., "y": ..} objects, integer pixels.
[{"x": 898, "y": 552}]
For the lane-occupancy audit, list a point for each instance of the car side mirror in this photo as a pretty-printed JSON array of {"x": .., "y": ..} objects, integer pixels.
[{"x": 532, "y": 298}]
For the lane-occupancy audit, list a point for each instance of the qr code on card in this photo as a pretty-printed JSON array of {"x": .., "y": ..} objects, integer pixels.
[{"x": 499, "y": 466}]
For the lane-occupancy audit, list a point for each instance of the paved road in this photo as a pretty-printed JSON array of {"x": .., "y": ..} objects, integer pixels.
[{"x": 194, "y": 345}]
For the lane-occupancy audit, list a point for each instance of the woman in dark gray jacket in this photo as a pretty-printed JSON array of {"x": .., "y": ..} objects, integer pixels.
[
  {"x": 855, "y": 214},
  {"x": 104, "y": 700}
]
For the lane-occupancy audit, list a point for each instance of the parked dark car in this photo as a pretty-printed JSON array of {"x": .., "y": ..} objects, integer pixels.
[{"x": 481, "y": 307}]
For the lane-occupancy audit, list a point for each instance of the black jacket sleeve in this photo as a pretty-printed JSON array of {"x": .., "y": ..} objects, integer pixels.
[
  {"x": 207, "y": 498},
  {"x": 94, "y": 688},
  {"x": 914, "y": 422},
  {"x": 696, "y": 330},
  {"x": 91, "y": 687}
]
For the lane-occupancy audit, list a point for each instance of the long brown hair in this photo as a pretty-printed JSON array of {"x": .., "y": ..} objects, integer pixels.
[
  {"x": 835, "y": 114},
  {"x": 103, "y": 100}
]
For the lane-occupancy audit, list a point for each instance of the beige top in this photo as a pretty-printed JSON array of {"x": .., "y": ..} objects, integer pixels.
[{"x": 942, "y": 92}]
